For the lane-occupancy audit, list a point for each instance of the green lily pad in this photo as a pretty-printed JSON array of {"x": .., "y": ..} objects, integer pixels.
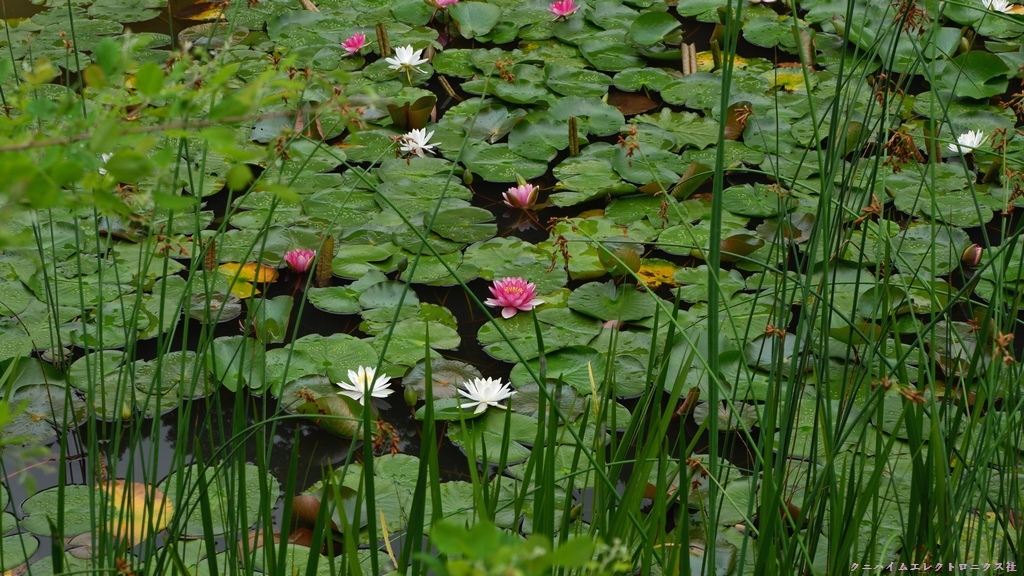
[
  {"x": 560, "y": 327},
  {"x": 607, "y": 301},
  {"x": 474, "y": 19},
  {"x": 41, "y": 509},
  {"x": 975, "y": 74},
  {"x": 445, "y": 375},
  {"x": 576, "y": 82},
  {"x": 222, "y": 493},
  {"x": 595, "y": 117},
  {"x": 487, "y": 439},
  {"x": 237, "y": 361},
  {"x": 406, "y": 344},
  {"x": 16, "y": 550},
  {"x": 696, "y": 282},
  {"x": 270, "y": 318},
  {"x": 652, "y": 27},
  {"x": 497, "y": 163}
]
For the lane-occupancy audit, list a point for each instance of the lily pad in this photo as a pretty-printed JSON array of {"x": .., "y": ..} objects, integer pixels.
[
  {"x": 222, "y": 493},
  {"x": 607, "y": 301}
]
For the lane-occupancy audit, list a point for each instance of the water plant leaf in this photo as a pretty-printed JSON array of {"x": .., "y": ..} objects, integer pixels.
[
  {"x": 486, "y": 436},
  {"x": 215, "y": 307},
  {"x": 388, "y": 295},
  {"x": 738, "y": 416},
  {"x": 137, "y": 510},
  {"x": 975, "y": 74},
  {"x": 607, "y": 301},
  {"x": 569, "y": 81},
  {"x": 164, "y": 381},
  {"x": 412, "y": 115},
  {"x": 604, "y": 53},
  {"x": 41, "y": 508},
  {"x": 336, "y": 299},
  {"x": 469, "y": 224},
  {"x": 595, "y": 117},
  {"x": 497, "y": 163},
  {"x": 526, "y": 400},
  {"x": 538, "y": 137},
  {"x": 474, "y": 19},
  {"x": 406, "y": 344},
  {"x": 270, "y": 318},
  {"x": 449, "y": 409},
  {"x": 41, "y": 412},
  {"x": 560, "y": 327},
  {"x": 696, "y": 283},
  {"x": 652, "y": 27},
  {"x": 250, "y": 272},
  {"x": 446, "y": 376},
  {"x": 16, "y": 550},
  {"x": 237, "y": 361},
  {"x": 223, "y": 493}
]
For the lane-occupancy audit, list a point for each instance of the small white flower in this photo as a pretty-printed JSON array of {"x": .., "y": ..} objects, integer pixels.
[
  {"x": 406, "y": 59},
  {"x": 997, "y": 5},
  {"x": 416, "y": 142},
  {"x": 104, "y": 158},
  {"x": 363, "y": 385},
  {"x": 967, "y": 142},
  {"x": 485, "y": 392}
]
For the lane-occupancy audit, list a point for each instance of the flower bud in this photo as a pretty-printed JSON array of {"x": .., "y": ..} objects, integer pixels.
[
  {"x": 410, "y": 396},
  {"x": 972, "y": 255}
]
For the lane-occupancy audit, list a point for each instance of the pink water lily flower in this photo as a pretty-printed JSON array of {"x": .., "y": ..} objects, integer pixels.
[
  {"x": 521, "y": 197},
  {"x": 442, "y": 4},
  {"x": 354, "y": 43},
  {"x": 300, "y": 260},
  {"x": 563, "y": 8},
  {"x": 513, "y": 295}
]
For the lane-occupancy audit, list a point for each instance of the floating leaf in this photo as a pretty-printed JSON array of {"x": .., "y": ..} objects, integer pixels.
[
  {"x": 250, "y": 272},
  {"x": 220, "y": 495},
  {"x": 412, "y": 115},
  {"x": 694, "y": 177},
  {"x": 652, "y": 27},
  {"x": 474, "y": 19},
  {"x": 607, "y": 301},
  {"x": 446, "y": 376},
  {"x": 215, "y": 307},
  {"x": 138, "y": 511}
]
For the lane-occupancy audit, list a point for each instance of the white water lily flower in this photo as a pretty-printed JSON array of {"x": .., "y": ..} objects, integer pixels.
[
  {"x": 416, "y": 142},
  {"x": 406, "y": 59},
  {"x": 997, "y": 5},
  {"x": 486, "y": 392},
  {"x": 967, "y": 142},
  {"x": 363, "y": 385}
]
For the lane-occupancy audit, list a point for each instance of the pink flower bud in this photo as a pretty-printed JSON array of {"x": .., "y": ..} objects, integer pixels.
[{"x": 521, "y": 197}]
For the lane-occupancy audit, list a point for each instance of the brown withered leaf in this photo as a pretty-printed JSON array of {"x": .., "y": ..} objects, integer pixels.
[
  {"x": 736, "y": 119},
  {"x": 630, "y": 103},
  {"x": 323, "y": 262}
]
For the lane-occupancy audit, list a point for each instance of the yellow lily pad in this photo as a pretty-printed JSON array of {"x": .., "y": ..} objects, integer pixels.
[
  {"x": 138, "y": 511},
  {"x": 250, "y": 272},
  {"x": 655, "y": 272}
]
